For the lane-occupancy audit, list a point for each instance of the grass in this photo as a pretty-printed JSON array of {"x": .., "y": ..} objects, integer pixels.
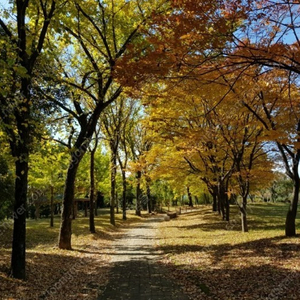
[
  {"x": 208, "y": 257},
  {"x": 212, "y": 259},
  {"x": 76, "y": 274}
]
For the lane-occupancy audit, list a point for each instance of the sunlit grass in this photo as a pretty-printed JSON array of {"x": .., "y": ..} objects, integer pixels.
[
  {"x": 39, "y": 234},
  {"x": 203, "y": 251},
  {"x": 47, "y": 265}
]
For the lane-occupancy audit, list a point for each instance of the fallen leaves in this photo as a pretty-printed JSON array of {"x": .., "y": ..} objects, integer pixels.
[
  {"x": 210, "y": 262},
  {"x": 58, "y": 274}
]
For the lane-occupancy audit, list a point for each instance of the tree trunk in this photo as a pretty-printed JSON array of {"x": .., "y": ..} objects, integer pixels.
[
  {"x": 117, "y": 202},
  {"x": 138, "y": 193},
  {"x": 223, "y": 201},
  {"x": 243, "y": 210},
  {"x": 92, "y": 191},
  {"x": 51, "y": 206},
  {"x": 19, "y": 216},
  {"x": 189, "y": 196},
  {"x": 85, "y": 209},
  {"x": 214, "y": 204},
  {"x": 221, "y": 207},
  {"x": 37, "y": 213},
  {"x": 149, "y": 198},
  {"x": 64, "y": 240},
  {"x": 96, "y": 209},
  {"x": 227, "y": 207},
  {"x": 113, "y": 172},
  {"x": 290, "y": 222},
  {"x": 124, "y": 194}
]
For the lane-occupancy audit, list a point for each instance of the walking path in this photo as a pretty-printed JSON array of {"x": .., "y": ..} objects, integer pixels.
[{"x": 137, "y": 274}]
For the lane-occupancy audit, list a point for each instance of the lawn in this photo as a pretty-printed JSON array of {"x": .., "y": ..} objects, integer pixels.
[
  {"x": 58, "y": 274},
  {"x": 211, "y": 259}
]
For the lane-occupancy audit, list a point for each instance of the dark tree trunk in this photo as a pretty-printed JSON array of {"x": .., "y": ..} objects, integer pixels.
[
  {"x": 227, "y": 207},
  {"x": 19, "y": 230},
  {"x": 92, "y": 191},
  {"x": 124, "y": 194},
  {"x": 290, "y": 222},
  {"x": 138, "y": 193},
  {"x": 113, "y": 173},
  {"x": 214, "y": 204},
  {"x": 64, "y": 241},
  {"x": 117, "y": 202},
  {"x": 214, "y": 194},
  {"x": 221, "y": 207},
  {"x": 37, "y": 213},
  {"x": 51, "y": 206},
  {"x": 223, "y": 201},
  {"x": 149, "y": 198},
  {"x": 85, "y": 209},
  {"x": 189, "y": 196}
]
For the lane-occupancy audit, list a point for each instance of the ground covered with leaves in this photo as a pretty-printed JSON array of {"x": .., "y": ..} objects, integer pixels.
[
  {"x": 211, "y": 259},
  {"x": 58, "y": 274}
]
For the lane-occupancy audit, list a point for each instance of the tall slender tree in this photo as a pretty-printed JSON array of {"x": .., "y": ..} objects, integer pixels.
[
  {"x": 24, "y": 39},
  {"x": 99, "y": 32}
]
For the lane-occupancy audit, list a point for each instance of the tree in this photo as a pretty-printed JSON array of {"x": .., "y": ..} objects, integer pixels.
[
  {"x": 129, "y": 114},
  {"x": 24, "y": 41},
  {"x": 112, "y": 123},
  {"x": 92, "y": 182},
  {"x": 47, "y": 168},
  {"x": 99, "y": 33}
]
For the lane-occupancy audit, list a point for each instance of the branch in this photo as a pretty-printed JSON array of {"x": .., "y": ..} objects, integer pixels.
[
  {"x": 6, "y": 29},
  {"x": 47, "y": 19}
]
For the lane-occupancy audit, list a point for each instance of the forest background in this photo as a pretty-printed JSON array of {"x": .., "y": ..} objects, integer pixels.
[{"x": 146, "y": 101}]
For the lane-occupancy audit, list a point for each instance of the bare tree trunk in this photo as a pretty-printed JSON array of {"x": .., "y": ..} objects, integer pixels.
[
  {"x": 290, "y": 222},
  {"x": 124, "y": 194},
  {"x": 214, "y": 204},
  {"x": 92, "y": 191},
  {"x": 189, "y": 196},
  {"x": 117, "y": 202},
  {"x": 243, "y": 210},
  {"x": 113, "y": 172},
  {"x": 19, "y": 229},
  {"x": 138, "y": 193},
  {"x": 149, "y": 198},
  {"x": 66, "y": 222},
  {"x": 51, "y": 206}
]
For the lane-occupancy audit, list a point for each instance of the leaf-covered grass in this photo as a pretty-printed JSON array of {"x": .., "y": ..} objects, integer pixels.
[
  {"x": 57, "y": 274},
  {"x": 212, "y": 259}
]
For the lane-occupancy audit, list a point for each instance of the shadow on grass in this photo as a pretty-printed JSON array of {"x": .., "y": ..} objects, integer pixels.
[
  {"x": 55, "y": 276},
  {"x": 266, "y": 247},
  {"x": 267, "y": 282}
]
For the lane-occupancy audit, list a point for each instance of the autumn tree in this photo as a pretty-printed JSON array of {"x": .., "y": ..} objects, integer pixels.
[
  {"x": 113, "y": 122},
  {"x": 130, "y": 115},
  {"x": 99, "y": 34},
  {"x": 23, "y": 40}
]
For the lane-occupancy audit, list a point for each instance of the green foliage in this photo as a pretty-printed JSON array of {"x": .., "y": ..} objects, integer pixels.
[
  {"x": 101, "y": 174},
  {"x": 6, "y": 189},
  {"x": 205, "y": 198},
  {"x": 282, "y": 190},
  {"x": 47, "y": 170},
  {"x": 162, "y": 191}
]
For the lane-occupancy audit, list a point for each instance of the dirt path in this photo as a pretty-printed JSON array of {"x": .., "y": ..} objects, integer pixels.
[{"x": 137, "y": 274}]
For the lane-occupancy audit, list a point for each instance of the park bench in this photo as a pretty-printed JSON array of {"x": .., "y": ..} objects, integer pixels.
[{"x": 172, "y": 214}]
